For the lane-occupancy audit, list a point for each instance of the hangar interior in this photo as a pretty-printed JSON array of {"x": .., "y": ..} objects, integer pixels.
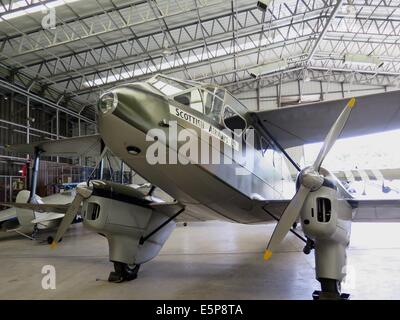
[{"x": 58, "y": 57}]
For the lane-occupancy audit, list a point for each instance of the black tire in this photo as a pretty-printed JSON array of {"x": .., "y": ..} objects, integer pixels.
[
  {"x": 330, "y": 285},
  {"x": 307, "y": 250},
  {"x": 50, "y": 239},
  {"x": 123, "y": 272}
]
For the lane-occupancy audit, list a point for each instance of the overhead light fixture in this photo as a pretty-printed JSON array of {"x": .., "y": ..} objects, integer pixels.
[
  {"x": 167, "y": 51},
  {"x": 269, "y": 67},
  {"x": 263, "y": 4},
  {"x": 21, "y": 8},
  {"x": 362, "y": 60}
]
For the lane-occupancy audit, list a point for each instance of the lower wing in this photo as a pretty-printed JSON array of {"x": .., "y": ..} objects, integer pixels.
[{"x": 377, "y": 210}]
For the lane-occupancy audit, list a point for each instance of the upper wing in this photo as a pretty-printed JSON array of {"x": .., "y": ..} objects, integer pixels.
[
  {"x": 309, "y": 123},
  {"x": 86, "y": 145}
]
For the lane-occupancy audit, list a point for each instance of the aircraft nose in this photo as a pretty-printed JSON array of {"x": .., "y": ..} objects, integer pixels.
[
  {"x": 124, "y": 99},
  {"x": 137, "y": 104}
]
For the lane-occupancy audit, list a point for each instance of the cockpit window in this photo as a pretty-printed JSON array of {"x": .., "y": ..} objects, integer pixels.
[
  {"x": 168, "y": 86},
  {"x": 214, "y": 101},
  {"x": 191, "y": 99}
]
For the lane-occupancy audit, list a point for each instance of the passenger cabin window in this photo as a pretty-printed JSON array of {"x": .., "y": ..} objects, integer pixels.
[
  {"x": 234, "y": 121},
  {"x": 252, "y": 137},
  {"x": 260, "y": 143},
  {"x": 264, "y": 145}
]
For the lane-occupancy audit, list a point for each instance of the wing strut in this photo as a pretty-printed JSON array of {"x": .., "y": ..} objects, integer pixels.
[
  {"x": 144, "y": 239},
  {"x": 266, "y": 132}
]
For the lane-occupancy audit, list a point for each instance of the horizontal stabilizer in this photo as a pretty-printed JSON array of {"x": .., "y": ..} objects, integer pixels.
[{"x": 48, "y": 217}]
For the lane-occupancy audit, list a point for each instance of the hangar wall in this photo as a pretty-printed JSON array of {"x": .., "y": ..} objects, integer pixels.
[{"x": 24, "y": 120}]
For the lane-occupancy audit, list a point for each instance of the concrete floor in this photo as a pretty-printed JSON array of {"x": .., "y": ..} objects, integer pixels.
[{"x": 211, "y": 260}]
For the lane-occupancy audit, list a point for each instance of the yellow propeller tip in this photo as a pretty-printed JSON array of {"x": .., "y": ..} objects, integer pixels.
[
  {"x": 352, "y": 102},
  {"x": 53, "y": 245},
  {"x": 267, "y": 254}
]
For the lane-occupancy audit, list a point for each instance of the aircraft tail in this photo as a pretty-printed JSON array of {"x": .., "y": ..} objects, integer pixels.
[{"x": 24, "y": 216}]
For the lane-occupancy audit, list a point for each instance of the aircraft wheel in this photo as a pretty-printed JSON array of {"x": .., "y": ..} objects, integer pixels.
[
  {"x": 50, "y": 240},
  {"x": 330, "y": 286},
  {"x": 123, "y": 272}
]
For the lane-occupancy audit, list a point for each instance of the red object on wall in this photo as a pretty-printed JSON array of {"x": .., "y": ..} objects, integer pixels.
[{"x": 24, "y": 170}]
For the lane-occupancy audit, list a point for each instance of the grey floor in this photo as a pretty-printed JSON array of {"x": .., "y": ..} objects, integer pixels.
[{"x": 211, "y": 260}]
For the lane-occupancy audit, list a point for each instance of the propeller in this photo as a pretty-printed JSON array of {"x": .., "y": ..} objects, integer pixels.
[
  {"x": 82, "y": 193},
  {"x": 310, "y": 180}
]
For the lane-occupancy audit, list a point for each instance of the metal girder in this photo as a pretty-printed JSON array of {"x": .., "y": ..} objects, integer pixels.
[
  {"x": 334, "y": 75},
  {"x": 210, "y": 40},
  {"x": 324, "y": 30}
]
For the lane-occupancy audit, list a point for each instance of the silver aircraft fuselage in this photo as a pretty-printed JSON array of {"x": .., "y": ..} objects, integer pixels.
[{"x": 213, "y": 191}]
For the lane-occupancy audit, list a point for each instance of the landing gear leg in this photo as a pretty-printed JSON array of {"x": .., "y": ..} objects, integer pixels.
[
  {"x": 34, "y": 232},
  {"x": 123, "y": 272},
  {"x": 330, "y": 263}
]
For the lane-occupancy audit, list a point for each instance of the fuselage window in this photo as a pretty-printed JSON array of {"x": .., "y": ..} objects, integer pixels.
[
  {"x": 252, "y": 137},
  {"x": 234, "y": 121},
  {"x": 264, "y": 145}
]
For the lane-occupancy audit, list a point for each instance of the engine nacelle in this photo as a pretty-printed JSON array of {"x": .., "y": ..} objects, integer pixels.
[
  {"x": 324, "y": 216},
  {"x": 326, "y": 219},
  {"x": 124, "y": 221}
]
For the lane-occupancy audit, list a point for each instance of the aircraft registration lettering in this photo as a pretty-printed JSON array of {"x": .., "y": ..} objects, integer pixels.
[{"x": 199, "y": 123}]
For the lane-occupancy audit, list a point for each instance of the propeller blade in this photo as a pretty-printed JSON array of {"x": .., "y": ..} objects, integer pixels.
[
  {"x": 289, "y": 217},
  {"x": 68, "y": 218},
  {"x": 333, "y": 134},
  {"x": 81, "y": 194}
]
